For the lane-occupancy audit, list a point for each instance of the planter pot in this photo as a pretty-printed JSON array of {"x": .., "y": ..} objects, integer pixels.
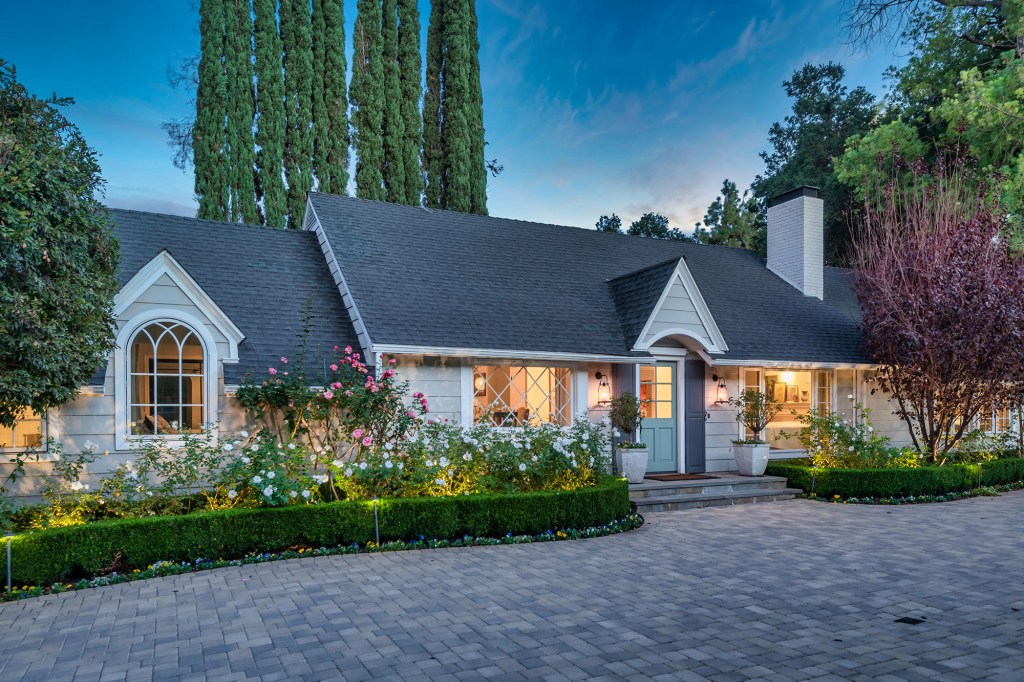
[
  {"x": 634, "y": 463},
  {"x": 751, "y": 460}
]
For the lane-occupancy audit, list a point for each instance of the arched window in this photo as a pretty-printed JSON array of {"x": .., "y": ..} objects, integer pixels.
[{"x": 166, "y": 378}]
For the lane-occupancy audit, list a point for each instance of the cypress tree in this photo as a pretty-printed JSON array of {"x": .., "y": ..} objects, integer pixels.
[
  {"x": 475, "y": 115},
  {"x": 241, "y": 110},
  {"x": 393, "y": 128},
  {"x": 453, "y": 133},
  {"x": 409, "y": 64},
  {"x": 367, "y": 94},
  {"x": 296, "y": 39},
  {"x": 433, "y": 151},
  {"x": 330, "y": 97},
  {"x": 209, "y": 134},
  {"x": 270, "y": 105}
]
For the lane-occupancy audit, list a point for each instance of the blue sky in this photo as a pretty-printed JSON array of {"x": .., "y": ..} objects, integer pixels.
[{"x": 593, "y": 106}]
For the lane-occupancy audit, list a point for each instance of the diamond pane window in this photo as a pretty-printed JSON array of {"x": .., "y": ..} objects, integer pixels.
[
  {"x": 166, "y": 387},
  {"x": 513, "y": 395}
]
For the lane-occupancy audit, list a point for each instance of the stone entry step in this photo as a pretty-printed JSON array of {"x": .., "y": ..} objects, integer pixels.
[{"x": 724, "y": 490}]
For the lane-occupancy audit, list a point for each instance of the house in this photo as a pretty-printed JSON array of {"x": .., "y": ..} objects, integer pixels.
[{"x": 495, "y": 319}]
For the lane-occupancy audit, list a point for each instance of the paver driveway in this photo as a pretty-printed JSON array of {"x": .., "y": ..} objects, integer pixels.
[{"x": 790, "y": 590}]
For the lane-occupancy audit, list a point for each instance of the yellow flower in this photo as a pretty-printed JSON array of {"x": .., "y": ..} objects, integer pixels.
[{"x": 835, "y": 497}]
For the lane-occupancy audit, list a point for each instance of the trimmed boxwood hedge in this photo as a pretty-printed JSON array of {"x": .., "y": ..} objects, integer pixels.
[
  {"x": 925, "y": 480},
  {"x": 62, "y": 554}
]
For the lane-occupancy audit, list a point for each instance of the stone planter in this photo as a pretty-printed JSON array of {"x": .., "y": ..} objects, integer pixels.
[
  {"x": 751, "y": 460},
  {"x": 634, "y": 463}
]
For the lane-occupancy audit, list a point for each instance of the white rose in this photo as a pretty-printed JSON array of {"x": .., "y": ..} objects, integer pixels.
[
  {"x": 232, "y": 494},
  {"x": 305, "y": 494},
  {"x": 388, "y": 464},
  {"x": 243, "y": 434},
  {"x": 257, "y": 480},
  {"x": 522, "y": 467},
  {"x": 246, "y": 460},
  {"x": 443, "y": 461},
  {"x": 348, "y": 472},
  {"x": 228, "y": 447},
  {"x": 291, "y": 446},
  {"x": 293, "y": 494},
  {"x": 468, "y": 457},
  {"x": 362, "y": 465},
  {"x": 268, "y": 491},
  {"x": 439, "y": 481},
  {"x": 271, "y": 474}
]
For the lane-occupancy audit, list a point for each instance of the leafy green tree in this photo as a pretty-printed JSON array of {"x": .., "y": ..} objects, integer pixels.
[
  {"x": 367, "y": 97},
  {"x": 410, "y": 71},
  {"x": 58, "y": 257},
  {"x": 270, "y": 124},
  {"x": 393, "y": 125},
  {"x": 453, "y": 133},
  {"x": 655, "y": 226},
  {"x": 612, "y": 223},
  {"x": 733, "y": 219},
  {"x": 209, "y": 133},
  {"x": 330, "y": 97},
  {"x": 803, "y": 146},
  {"x": 297, "y": 41},
  {"x": 241, "y": 110}
]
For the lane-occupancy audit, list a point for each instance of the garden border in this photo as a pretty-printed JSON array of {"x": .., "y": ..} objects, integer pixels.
[
  {"x": 60, "y": 554},
  {"x": 898, "y": 482}
]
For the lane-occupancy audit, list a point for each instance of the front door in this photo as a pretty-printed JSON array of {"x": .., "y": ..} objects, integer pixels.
[
  {"x": 658, "y": 389},
  {"x": 695, "y": 412}
]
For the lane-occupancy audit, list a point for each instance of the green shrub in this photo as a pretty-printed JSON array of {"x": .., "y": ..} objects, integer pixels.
[
  {"x": 916, "y": 481},
  {"x": 47, "y": 556}
]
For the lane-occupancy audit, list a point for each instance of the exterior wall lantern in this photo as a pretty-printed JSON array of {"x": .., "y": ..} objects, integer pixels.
[
  {"x": 479, "y": 381},
  {"x": 721, "y": 393},
  {"x": 604, "y": 390}
]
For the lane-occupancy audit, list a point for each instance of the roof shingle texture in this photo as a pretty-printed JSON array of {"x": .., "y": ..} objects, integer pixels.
[
  {"x": 260, "y": 277},
  {"x": 424, "y": 277}
]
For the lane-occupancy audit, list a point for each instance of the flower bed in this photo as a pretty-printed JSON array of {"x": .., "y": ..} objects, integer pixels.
[
  {"x": 826, "y": 483},
  {"x": 85, "y": 551}
]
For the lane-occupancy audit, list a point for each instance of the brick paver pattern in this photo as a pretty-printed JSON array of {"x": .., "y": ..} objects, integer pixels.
[{"x": 783, "y": 591}]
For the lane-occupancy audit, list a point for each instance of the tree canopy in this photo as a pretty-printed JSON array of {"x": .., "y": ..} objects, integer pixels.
[{"x": 58, "y": 257}]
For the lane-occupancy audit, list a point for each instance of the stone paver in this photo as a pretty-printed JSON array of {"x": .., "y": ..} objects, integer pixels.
[{"x": 785, "y": 591}]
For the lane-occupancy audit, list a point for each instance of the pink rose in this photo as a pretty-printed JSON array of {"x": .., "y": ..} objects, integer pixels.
[
  {"x": 284, "y": 360},
  {"x": 328, "y": 394},
  {"x": 336, "y": 385},
  {"x": 367, "y": 441},
  {"x": 271, "y": 371},
  {"x": 348, "y": 350},
  {"x": 357, "y": 434},
  {"x": 348, "y": 393},
  {"x": 393, "y": 361},
  {"x": 334, "y": 368},
  {"x": 410, "y": 414},
  {"x": 335, "y": 348}
]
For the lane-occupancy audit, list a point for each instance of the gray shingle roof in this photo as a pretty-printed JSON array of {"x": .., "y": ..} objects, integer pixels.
[
  {"x": 260, "y": 277},
  {"x": 424, "y": 277},
  {"x": 636, "y": 294}
]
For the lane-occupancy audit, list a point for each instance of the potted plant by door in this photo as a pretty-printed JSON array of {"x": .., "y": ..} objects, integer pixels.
[
  {"x": 756, "y": 409},
  {"x": 626, "y": 415}
]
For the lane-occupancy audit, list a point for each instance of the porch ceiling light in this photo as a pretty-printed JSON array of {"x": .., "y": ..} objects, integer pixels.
[
  {"x": 721, "y": 393},
  {"x": 479, "y": 381},
  {"x": 604, "y": 390}
]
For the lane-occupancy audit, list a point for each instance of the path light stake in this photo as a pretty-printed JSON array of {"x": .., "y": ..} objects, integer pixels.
[
  {"x": 8, "y": 534},
  {"x": 979, "y": 474},
  {"x": 376, "y": 523},
  {"x": 814, "y": 472}
]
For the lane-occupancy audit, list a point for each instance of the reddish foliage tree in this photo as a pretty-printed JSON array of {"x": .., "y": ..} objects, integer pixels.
[{"x": 942, "y": 296}]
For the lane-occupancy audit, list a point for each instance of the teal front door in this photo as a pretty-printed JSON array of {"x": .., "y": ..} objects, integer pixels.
[{"x": 658, "y": 389}]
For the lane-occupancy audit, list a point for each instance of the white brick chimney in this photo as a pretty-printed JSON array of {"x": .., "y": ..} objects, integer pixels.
[{"x": 796, "y": 240}]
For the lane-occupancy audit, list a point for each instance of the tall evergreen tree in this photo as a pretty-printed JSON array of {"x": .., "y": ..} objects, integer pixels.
[
  {"x": 330, "y": 97},
  {"x": 392, "y": 123},
  {"x": 410, "y": 65},
  {"x": 297, "y": 41},
  {"x": 209, "y": 134},
  {"x": 367, "y": 97},
  {"x": 270, "y": 125},
  {"x": 453, "y": 111},
  {"x": 241, "y": 110},
  {"x": 433, "y": 124}
]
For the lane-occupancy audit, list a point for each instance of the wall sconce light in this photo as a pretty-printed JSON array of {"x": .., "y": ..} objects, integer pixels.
[
  {"x": 721, "y": 393},
  {"x": 479, "y": 381},
  {"x": 604, "y": 390}
]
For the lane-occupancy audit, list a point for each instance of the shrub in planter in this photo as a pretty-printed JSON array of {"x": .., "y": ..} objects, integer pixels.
[
  {"x": 755, "y": 411},
  {"x": 627, "y": 416}
]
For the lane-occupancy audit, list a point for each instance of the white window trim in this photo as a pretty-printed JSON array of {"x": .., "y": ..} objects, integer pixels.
[
  {"x": 578, "y": 383},
  {"x": 715, "y": 344},
  {"x": 761, "y": 369},
  {"x": 123, "y": 438},
  {"x": 44, "y": 425}
]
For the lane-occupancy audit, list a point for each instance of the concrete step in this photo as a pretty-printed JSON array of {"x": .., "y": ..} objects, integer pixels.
[
  {"x": 717, "y": 499},
  {"x": 725, "y": 484}
]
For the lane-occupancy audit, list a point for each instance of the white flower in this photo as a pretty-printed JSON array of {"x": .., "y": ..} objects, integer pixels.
[
  {"x": 243, "y": 434},
  {"x": 321, "y": 478},
  {"x": 443, "y": 461},
  {"x": 228, "y": 447},
  {"x": 257, "y": 480},
  {"x": 149, "y": 493},
  {"x": 271, "y": 474},
  {"x": 362, "y": 465},
  {"x": 337, "y": 463},
  {"x": 174, "y": 424},
  {"x": 429, "y": 462},
  {"x": 468, "y": 457},
  {"x": 348, "y": 472},
  {"x": 232, "y": 494},
  {"x": 615, "y": 432},
  {"x": 291, "y": 446},
  {"x": 849, "y": 397},
  {"x": 401, "y": 466},
  {"x": 389, "y": 446},
  {"x": 439, "y": 481},
  {"x": 522, "y": 467},
  {"x": 90, "y": 447},
  {"x": 293, "y": 494},
  {"x": 246, "y": 460},
  {"x": 254, "y": 448},
  {"x": 388, "y": 464},
  {"x": 305, "y": 494},
  {"x": 268, "y": 491},
  {"x": 77, "y": 485},
  {"x": 534, "y": 458}
]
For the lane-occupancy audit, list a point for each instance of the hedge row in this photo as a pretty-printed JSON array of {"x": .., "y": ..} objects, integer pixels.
[
  {"x": 62, "y": 554},
  {"x": 925, "y": 480}
]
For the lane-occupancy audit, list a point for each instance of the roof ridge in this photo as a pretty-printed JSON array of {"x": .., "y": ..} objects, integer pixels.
[
  {"x": 223, "y": 223},
  {"x": 646, "y": 268}
]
